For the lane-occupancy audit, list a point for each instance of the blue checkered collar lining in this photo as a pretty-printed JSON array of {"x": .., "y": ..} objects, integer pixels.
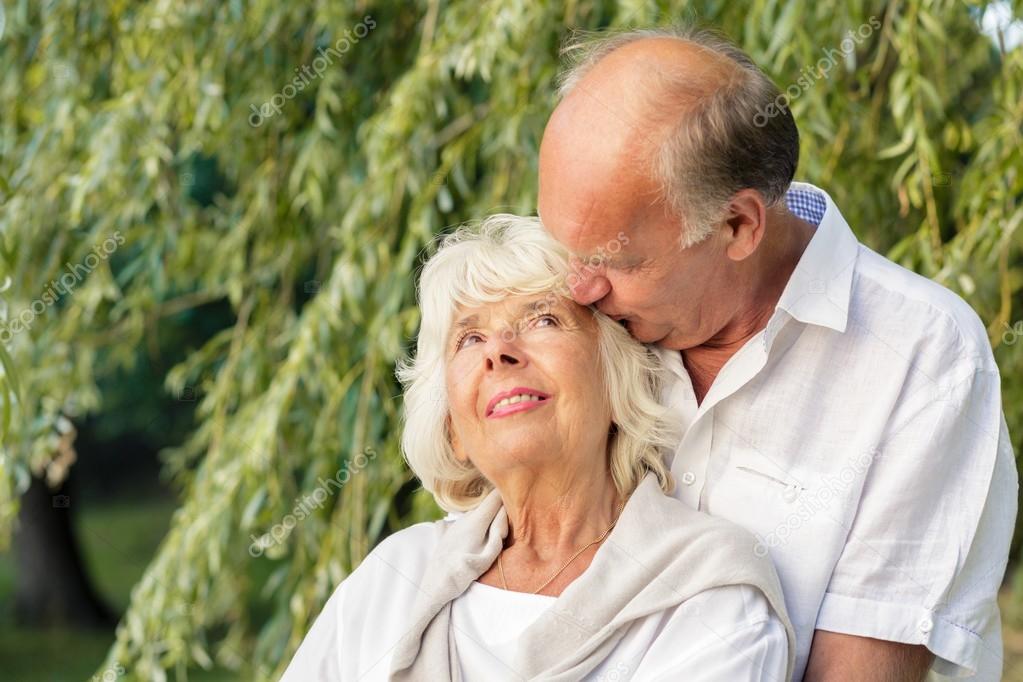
[{"x": 819, "y": 289}]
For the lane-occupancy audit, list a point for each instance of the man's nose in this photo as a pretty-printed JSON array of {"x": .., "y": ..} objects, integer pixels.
[{"x": 587, "y": 286}]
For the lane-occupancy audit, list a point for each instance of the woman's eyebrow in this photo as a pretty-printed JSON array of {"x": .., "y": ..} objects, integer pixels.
[
  {"x": 541, "y": 305},
  {"x": 468, "y": 321},
  {"x": 549, "y": 305}
]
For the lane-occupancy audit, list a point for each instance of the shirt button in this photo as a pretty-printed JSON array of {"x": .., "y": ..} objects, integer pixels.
[
  {"x": 926, "y": 625},
  {"x": 790, "y": 494},
  {"x": 688, "y": 478}
]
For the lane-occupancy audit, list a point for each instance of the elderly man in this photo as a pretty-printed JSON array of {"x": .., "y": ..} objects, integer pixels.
[{"x": 842, "y": 408}]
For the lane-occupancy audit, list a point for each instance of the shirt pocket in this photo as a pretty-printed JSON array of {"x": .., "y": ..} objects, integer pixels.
[
  {"x": 789, "y": 489},
  {"x": 767, "y": 501}
]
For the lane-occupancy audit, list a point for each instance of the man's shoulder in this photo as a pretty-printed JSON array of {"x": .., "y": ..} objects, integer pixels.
[{"x": 889, "y": 300}]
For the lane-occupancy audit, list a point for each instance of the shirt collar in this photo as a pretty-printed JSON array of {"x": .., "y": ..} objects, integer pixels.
[{"x": 819, "y": 289}]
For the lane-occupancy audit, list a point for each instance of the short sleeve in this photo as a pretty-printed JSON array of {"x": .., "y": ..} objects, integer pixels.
[{"x": 928, "y": 546}]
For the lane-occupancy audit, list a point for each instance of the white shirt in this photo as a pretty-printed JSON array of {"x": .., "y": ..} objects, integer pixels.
[
  {"x": 860, "y": 437},
  {"x": 726, "y": 634}
]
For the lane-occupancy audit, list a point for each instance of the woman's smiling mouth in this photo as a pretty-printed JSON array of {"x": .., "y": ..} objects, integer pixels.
[{"x": 519, "y": 399}]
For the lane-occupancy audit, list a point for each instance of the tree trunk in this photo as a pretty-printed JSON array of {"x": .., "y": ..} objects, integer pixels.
[{"x": 51, "y": 584}]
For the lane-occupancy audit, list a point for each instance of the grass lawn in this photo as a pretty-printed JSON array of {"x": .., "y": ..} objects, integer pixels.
[{"x": 117, "y": 539}]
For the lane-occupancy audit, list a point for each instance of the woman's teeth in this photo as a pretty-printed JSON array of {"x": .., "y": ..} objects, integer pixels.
[{"x": 517, "y": 399}]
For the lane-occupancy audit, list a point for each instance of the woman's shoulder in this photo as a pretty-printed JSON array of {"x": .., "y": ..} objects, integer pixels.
[
  {"x": 732, "y": 606},
  {"x": 694, "y": 536},
  {"x": 713, "y": 625},
  {"x": 408, "y": 549},
  {"x": 386, "y": 581},
  {"x": 367, "y": 612},
  {"x": 714, "y": 530},
  {"x": 420, "y": 537}
]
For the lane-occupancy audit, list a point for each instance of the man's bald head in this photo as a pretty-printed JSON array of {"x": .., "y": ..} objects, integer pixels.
[
  {"x": 661, "y": 168},
  {"x": 674, "y": 115},
  {"x": 665, "y": 72}
]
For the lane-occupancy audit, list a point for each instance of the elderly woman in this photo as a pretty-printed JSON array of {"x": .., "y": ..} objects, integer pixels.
[{"x": 536, "y": 421}]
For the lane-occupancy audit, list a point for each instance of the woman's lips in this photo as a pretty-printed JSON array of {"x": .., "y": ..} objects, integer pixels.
[
  {"x": 516, "y": 408},
  {"x": 496, "y": 409}
]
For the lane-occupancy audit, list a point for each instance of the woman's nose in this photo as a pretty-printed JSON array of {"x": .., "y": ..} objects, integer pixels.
[{"x": 503, "y": 351}]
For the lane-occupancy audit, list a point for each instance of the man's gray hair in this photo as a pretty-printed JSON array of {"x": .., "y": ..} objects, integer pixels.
[{"x": 740, "y": 136}]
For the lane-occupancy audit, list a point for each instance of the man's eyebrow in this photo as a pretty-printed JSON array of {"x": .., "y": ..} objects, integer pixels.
[
  {"x": 623, "y": 262},
  {"x": 607, "y": 259}
]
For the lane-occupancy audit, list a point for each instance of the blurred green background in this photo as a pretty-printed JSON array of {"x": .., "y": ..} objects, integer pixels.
[{"x": 211, "y": 216}]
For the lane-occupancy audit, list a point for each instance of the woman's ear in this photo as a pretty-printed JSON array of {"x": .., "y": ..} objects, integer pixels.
[{"x": 456, "y": 445}]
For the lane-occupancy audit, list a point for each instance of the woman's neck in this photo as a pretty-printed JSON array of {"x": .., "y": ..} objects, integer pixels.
[{"x": 551, "y": 517}]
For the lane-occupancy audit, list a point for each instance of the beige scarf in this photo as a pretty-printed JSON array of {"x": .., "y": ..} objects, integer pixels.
[{"x": 659, "y": 554}]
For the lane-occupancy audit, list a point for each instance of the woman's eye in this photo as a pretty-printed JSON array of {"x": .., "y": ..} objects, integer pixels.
[
  {"x": 546, "y": 321},
  {"x": 467, "y": 340}
]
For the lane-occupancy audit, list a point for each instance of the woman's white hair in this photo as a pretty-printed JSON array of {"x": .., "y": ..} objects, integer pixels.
[{"x": 508, "y": 255}]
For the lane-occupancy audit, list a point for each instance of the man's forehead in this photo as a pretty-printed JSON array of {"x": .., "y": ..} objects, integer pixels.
[
  {"x": 581, "y": 232},
  {"x": 588, "y": 190},
  {"x": 587, "y": 217},
  {"x": 598, "y": 240}
]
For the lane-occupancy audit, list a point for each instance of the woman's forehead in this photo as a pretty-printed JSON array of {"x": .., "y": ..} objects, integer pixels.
[{"x": 516, "y": 306}]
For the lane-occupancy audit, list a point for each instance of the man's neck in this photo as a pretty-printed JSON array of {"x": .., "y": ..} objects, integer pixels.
[{"x": 770, "y": 273}]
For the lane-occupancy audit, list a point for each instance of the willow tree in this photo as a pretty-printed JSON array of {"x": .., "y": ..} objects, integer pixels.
[{"x": 340, "y": 139}]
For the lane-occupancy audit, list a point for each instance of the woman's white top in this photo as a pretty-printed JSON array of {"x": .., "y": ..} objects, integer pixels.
[{"x": 726, "y": 634}]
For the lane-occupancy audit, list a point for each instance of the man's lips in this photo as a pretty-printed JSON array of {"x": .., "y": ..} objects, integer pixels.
[{"x": 494, "y": 411}]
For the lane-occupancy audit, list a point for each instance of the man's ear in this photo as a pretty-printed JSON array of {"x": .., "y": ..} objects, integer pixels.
[{"x": 745, "y": 224}]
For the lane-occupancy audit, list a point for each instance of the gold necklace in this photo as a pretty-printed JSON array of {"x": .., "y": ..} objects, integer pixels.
[{"x": 500, "y": 563}]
